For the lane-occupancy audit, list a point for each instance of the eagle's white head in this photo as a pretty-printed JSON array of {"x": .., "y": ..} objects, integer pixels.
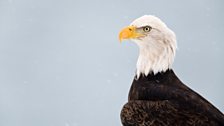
[{"x": 157, "y": 44}]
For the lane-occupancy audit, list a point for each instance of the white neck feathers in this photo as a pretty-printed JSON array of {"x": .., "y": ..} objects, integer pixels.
[{"x": 155, "y": 54}]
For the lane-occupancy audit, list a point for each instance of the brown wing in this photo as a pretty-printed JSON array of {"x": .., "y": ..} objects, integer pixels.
[
  {"x": 161, "y": 113},
  {"x": 163, "y": 99}
]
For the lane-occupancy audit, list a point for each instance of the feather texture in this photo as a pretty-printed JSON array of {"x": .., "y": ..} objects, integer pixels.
[{"x": 163, "y": 100}]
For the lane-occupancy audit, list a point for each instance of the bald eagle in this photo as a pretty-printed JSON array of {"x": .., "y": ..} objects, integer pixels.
[{"x": 157, "y": 97}]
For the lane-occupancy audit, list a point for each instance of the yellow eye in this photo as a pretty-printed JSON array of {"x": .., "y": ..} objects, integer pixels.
[{"x": 147, "y": 28}]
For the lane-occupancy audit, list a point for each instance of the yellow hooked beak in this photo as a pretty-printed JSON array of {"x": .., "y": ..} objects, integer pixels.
[{"x": 129, "y": 33}]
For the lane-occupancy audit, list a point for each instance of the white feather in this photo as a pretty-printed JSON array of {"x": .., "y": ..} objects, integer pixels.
[{"x": 157, "y": 49}]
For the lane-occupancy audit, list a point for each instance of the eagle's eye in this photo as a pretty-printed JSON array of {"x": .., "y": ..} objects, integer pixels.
[{"x": 147, "y": 28}]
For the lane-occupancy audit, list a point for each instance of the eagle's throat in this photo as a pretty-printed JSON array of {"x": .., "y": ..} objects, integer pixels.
[{"x": 154, "y": 58}]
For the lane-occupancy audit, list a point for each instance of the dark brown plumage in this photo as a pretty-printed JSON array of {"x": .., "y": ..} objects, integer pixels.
[{"x": 163, "y": 100}]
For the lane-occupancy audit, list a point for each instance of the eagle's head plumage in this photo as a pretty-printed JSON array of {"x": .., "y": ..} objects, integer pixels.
[{"x": 157, "y": 44}]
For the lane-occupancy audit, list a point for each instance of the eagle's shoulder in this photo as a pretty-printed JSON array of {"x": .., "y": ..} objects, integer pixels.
[{"x": 168, "y": 92}]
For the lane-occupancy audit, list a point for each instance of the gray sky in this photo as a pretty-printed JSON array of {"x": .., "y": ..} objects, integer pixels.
[{"x": 61, "y": 63}]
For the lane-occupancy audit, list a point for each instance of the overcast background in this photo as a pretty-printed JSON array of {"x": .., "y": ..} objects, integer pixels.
[{"x": 61, "y": 63}]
